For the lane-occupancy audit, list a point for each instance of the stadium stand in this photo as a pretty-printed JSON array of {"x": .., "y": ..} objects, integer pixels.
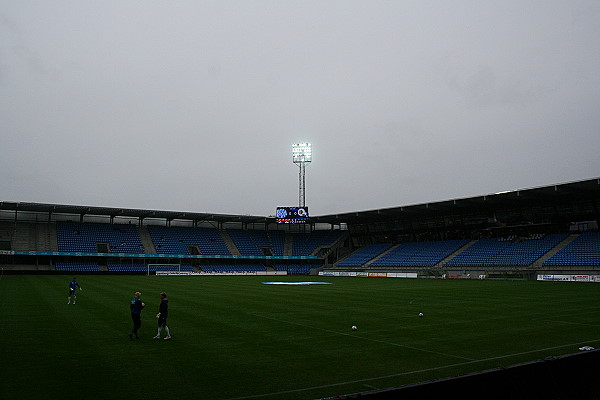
[
  {"x": 506, "y": 251},
  {"x": 181, "y": 240},
  {"x": 77, "y": 266},
  {"x": 244, "y": 242},
  {"x": 124, "y": 238},
  {"x": 584, "y": 250},
  {"x": 86, "y": 237},
  {"x": 305, "y": 244},
  {"x": 509, "y": 251},
  {"x": 271, "y": 241},
  {"x": 518, "y": 228},
  {"x": 90, "y": 237},
  {"x": 420, "y": 254},
  {"x": 294, "y": 269},
  {"x": 364, "y": 255}
]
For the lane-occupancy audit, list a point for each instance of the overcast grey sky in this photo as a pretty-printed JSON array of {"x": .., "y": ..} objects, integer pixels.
[{"x": 194, "y": 105}]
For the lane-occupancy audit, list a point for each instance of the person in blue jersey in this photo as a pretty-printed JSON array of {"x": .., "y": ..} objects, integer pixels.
[
  {"x": 163, "y": 313},
  {"x": 136, "y": 307},
  {"x": 73, "y": 285}
]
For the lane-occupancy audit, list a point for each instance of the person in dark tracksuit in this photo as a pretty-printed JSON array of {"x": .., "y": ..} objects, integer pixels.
[
  {"x": 163, "y": 313},
  {"x": 136, "y": 310},
  {"x": 73, "y": 285}
]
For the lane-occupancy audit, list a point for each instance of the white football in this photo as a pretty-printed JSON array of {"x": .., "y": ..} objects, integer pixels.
[
  {"x": 354, "y": 327},
  {"x": 420, "y": 314}
]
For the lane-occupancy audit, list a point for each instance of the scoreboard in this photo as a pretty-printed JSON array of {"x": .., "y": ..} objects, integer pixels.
[{"x": 292, "y": 215}]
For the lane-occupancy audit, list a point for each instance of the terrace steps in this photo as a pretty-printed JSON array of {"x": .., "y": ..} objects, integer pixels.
[
  {"x": 288, "y": 245},
  {"x": 371, "y": 261},
  {"x": 457, "y": 252},
  {"x": 147, "y": 241},
  {"x": 229, "y": 243},
  {"x": 540, "y": 261}
]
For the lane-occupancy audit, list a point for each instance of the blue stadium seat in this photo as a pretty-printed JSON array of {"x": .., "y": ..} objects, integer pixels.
[
  {"x": 295, "y": 269},
  {"x": 583, "y": 251},
  {"x": 177, "y": 240},
  {"x": 364, "y": 255},
  {"x": 85, "y": 237},
  {"x": 419, "y": 254},
  {"x": 77, "y": 266},
  {"x": 506, "y": 251},
  {"x": 305, "y": 244}
]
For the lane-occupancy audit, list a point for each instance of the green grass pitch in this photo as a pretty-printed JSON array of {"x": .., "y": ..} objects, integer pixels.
[{"x": 235, "y": 338}]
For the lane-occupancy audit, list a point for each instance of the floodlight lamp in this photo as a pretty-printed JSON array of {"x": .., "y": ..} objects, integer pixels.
[{"x": 302, "y": 153}]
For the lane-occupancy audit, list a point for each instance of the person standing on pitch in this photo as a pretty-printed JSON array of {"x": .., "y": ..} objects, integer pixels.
[
  {"x": 73, "y": 285},
  {"x": 163, "y": 313},
  {"x": 136, "y": 313}
]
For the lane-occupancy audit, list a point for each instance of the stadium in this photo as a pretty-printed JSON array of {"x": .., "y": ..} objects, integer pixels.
[
  {"x": 156, "y": 244},
  {"x": 490, "y": 296}
]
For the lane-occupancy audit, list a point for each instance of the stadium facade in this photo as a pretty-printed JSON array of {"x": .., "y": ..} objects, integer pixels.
[{"x": 516, "y": 234}]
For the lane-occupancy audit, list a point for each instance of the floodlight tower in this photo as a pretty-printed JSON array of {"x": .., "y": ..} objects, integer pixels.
[{"x": 302, "y": 155}]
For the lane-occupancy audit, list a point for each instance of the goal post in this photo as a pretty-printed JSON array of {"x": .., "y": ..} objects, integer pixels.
[{"x": 163, "y": 268}]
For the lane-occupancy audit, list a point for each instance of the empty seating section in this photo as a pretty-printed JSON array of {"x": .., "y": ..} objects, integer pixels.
[
  {"x": 115, "y": 238},
  {"x": 304, "y": 244},
  {"x": 272, "y": 240},
  {"x": 584, "y": 250},
  {"x": 180, "y": 240},
  {"x": 86, "y": 237},
  {"x": 77, "y": 266},
  {"x": 294, "y": 269},
  {"x": 508, "y": 251},
  {"x": 364, "y": 255},
  {"x": 244, "y": 242},
  {"x": 418, "y": 254},
  {"x": 233, "y": 268}
]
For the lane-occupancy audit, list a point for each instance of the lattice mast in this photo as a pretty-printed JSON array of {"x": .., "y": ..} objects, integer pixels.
[{"x": 302, "y": 155}]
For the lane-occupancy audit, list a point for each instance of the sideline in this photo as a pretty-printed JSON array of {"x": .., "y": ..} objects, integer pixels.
[
  {"x": 441, "y": 367},
  {"x": 406, "y": 373}
]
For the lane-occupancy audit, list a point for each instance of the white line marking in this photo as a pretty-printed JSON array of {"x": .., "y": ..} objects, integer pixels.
[
  {"x": 408, "y": 372},
  {"x": 565, "y": 322},
  {"x": 358, "y": 336},
  {"x": 371, "y": 386}
]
